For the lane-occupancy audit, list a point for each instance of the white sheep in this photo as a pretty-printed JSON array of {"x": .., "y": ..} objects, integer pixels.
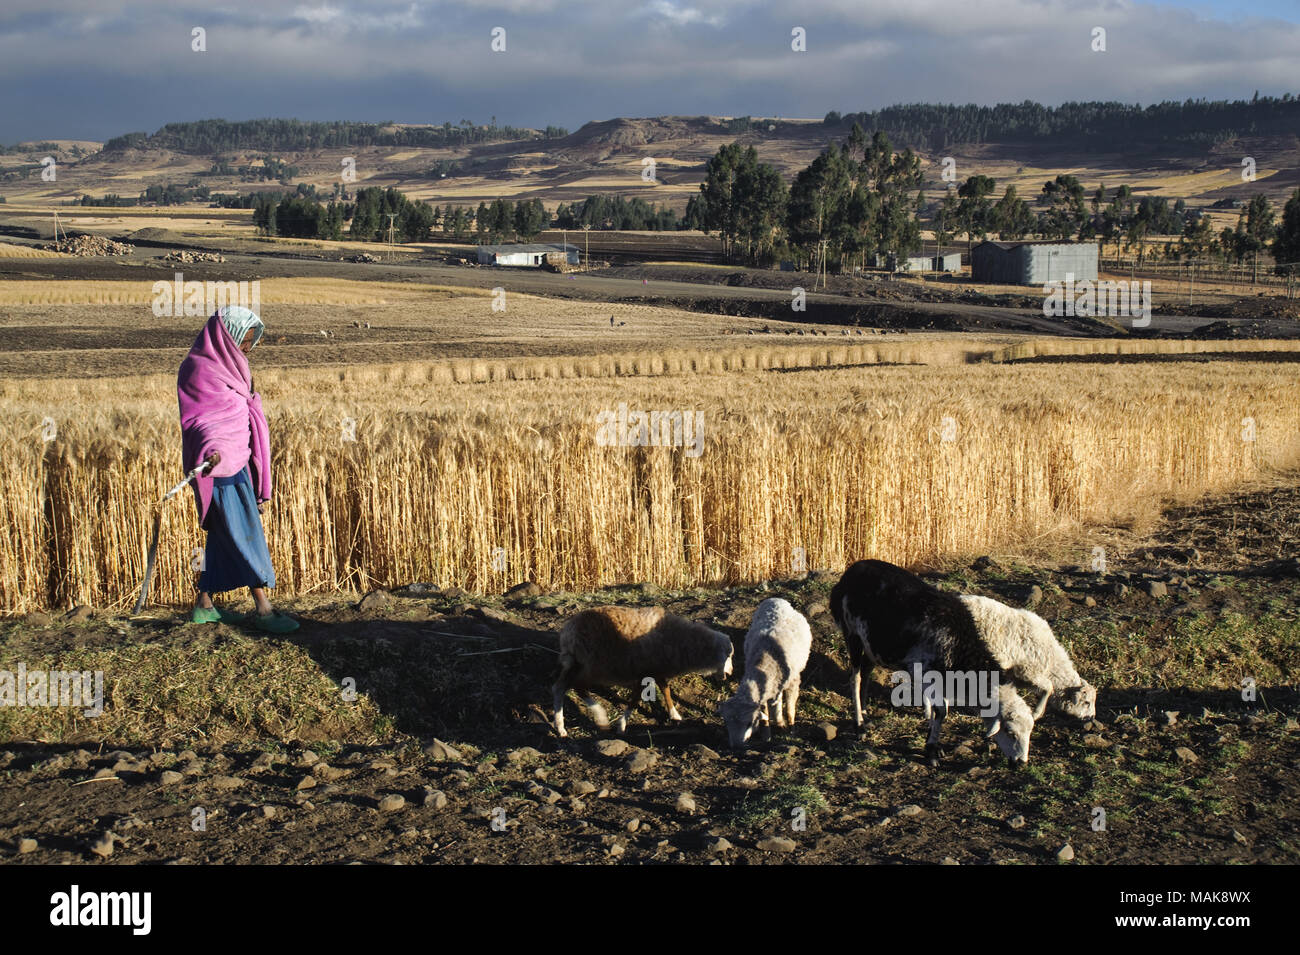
[
  {"x": 1023, "y": 645},
  {"x": 776, "y": 651},
  {"x": 623, "y": 646}
]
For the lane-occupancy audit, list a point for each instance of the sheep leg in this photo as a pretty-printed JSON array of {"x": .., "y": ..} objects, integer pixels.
[
  {"x": 672, "y": 707},
  {"x": 767, "y": 726},
  {"x": 598, "y": 714},
  {"x": 855, "y": 694},
  {"x": 932, "y": 751},
  {"x": 558, "y": 693},
  {"x": 791, "y": 699},
  {"x": 1042, "y": 705}
]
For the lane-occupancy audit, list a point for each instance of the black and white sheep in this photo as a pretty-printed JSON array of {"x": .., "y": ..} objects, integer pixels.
[
  {"x": 1023, "y": 645},
  {"x": 892, "y": 618},
  {"x": 777, "y": 646},
  {"x": 622, "y": 646}
]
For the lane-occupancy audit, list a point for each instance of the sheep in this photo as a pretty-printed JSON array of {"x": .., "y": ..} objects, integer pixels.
[
  {"x": 1023, "y": 646},
  {"x": 622, "y": 646},
  {"x": 893, "y": 618},
  {"x": 776, "y": 651}
]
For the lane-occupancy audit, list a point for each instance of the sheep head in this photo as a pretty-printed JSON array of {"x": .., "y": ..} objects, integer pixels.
[{"x": 741, "y": 717}]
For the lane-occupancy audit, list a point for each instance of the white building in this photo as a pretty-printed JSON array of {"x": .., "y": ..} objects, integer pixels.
[{"x": 531, "y": 254}]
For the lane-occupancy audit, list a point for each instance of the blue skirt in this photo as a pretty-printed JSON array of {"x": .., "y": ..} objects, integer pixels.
[{"x": 236, "y": 554}]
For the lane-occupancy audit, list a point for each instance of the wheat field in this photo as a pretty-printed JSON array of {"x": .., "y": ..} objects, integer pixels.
[{"x": 487, "y": 481}]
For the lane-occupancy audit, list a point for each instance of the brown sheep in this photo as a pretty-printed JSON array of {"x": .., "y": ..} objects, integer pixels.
[{"x": 622, "y": 646}]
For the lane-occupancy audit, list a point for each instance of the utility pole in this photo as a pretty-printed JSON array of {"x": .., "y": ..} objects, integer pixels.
[
  {"x": 391, "y": 216},
  {"x": 587, "y": 229}
]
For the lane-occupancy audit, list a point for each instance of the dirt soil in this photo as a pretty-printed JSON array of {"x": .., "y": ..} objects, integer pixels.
[{"x": 1184, "y": 770}]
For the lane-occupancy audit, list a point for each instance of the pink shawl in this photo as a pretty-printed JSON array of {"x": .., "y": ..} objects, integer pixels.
[{"x": 221, "y": 412}]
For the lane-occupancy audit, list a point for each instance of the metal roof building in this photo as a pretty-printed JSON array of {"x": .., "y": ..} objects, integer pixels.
[
  {"x": 525, "y": 253},
  {"x": 1033, "y": 263}
]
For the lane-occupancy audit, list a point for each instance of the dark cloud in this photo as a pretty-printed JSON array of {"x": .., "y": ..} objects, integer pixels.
[{"x": 96, "y": 69}]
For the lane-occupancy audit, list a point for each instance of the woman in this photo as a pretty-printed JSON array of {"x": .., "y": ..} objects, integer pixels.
[{"x": 222, "y": 425}]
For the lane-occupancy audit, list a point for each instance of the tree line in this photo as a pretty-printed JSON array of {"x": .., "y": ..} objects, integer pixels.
[
  {"x": 214, "y": 136},
  {"x": 862, "y": 199},
  {"x": 1080, "y": 125}
]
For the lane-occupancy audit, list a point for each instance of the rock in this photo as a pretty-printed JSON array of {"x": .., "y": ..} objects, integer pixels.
[
  {"x": 523, "y": 591},
  {"x": 985, "y": 563},
  {"x": 1095, "y": 741},
  {"x": 612, "y": 747},
  {"x": 1034, "y": 597},
  {"x": 170, "y": 777},
  {"x": 392, "y": 802},
  {"x": 80, "y": 612},
  {"x": 38, "y": 618},
  {"x": 307, "y": 782},
  {"x": 648, "y": 588},
  {"x": 1065, "y": 853},
  {"x": 307, "y": 759},
  {"x": 1156, "y": 588},
  {"x": 269, "y": 812},
  {"x": 1171, "y": 717},
  {"x": 716, "y": 845},
  {"x": 777, "y": 844},
  {"x": 103, "y": 846},
  {"x": 911, "y": 809},
  {"x": 523, "y": 753},
  {"x": 263, "y": 762},
  {"x": 632, "y": 825},
  {"x": 1119, "y": 590},
  {"x": 421, "y": 589},
  {"x": 816, "y": 609},
  {"x": 544, "y": 794},
  {"x": 373, "y": 601},
  {"x": 827, "y": 731},
  {"x": 328, "y": 773},
  {"x": 617, "y": 849},
  {"x": 1236, "y": 837},
  {"x": 1185, "y": 755},
  {"x": 435, "y": 799},
  {"x": 949, "y": 860},
  {"x": 1090, "y": 601},
  {"x": 686, "y": 803},
  {"x": 441, "y": 751},
  {"x": 26, "y": 846},
  {"x": 641, "y": 761},
  {"x": 104, "y": 773},
  {"x": 702, "y": 751},
  {"x": 227, "y": 782},
  {"x": 579, "y": 787},
  {"x": 1016, "y": 822}
]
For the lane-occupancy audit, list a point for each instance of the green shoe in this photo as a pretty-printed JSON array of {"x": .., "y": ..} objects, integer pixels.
[
  {"x": 205, "y": 615},
  {"x": 230, "y": 616},
  {"x": 273, "y": 622}
]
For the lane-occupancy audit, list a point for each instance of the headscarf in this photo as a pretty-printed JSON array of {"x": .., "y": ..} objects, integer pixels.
[
  {"x": 238, "y": 320},
  {"x": 221, "y": 412}
]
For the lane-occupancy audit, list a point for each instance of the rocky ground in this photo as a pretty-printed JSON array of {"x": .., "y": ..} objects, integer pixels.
[{"x": 221, "y": 746}]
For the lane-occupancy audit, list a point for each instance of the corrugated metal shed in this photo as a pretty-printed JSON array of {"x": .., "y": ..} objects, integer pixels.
[
  {"x": 1033, "y": 263},
  {"x": 524, "y": 253}
]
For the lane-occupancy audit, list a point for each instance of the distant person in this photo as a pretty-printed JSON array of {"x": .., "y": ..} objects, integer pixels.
[{"x": 222, "y": 423}]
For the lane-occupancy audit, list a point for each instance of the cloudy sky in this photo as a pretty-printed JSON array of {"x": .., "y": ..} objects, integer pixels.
[{"x": 95, "y": 68}]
